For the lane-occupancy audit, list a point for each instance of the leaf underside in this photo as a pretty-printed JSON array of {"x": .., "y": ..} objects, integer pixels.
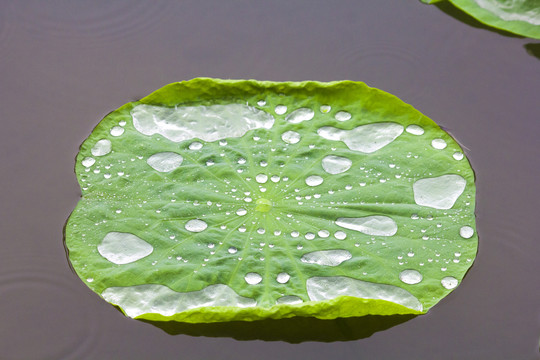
[
  {"x": 215, "y": 200},
  {"x": 520, "y": 17}
]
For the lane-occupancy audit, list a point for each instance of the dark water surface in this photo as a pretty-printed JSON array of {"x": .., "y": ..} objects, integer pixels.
[{"x": 66, "y": 64}]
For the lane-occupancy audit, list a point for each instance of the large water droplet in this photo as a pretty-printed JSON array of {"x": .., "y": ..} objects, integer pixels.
[
  {"x": 410, "y": 277},
  {"x": 314, "y": 180},
  {"x": 449, "y": 282},
  {"x": 123, "y": 248},
  {"x": 253, "y": 278},
  {"x": 336, "y": 164},
  {"x": 371, "y": 225},
  {"x": 196, "y": 225},
  {"x": 102, "y": 147},
  {"x": 343, "y": 116},
  {"x": 466, "y": 232},
  {"x": 439, "y": 192},
  {"x": 165, "y": 161},
  {"x": 364, "y": 138},
  {"x": 299, "y": 115},
  {"x": 290, "y": 137},
  {"x": 326, "y": 257}
]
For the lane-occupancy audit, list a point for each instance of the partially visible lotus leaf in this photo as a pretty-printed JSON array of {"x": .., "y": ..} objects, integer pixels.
[
  {"x": 215, "y": 200},
  {"x": 520, "y": 17}
]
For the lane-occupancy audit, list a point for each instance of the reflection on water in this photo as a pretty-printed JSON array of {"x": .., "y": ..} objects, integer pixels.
[{"x": 294, "y": 330}]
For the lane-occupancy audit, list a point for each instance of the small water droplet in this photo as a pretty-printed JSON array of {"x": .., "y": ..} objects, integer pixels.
[
  {"x": 323, "y": 233},
  {"x": 261, "y": 102},
  {"x": 241, "y": 161},
  {"x": 253, "y": 278},
  {"x": 438, "y": 144},
  {"x": 466, "y": 232},
  {"x": 196, "y": 225},
  {"x": 414, "y": 129},
  {"x": 241, "y": 212},
  {"x": 232, "y": 250},
  {"x": 117, "y": 131},
  {"x": 340, "y": 235},
  {"x": 283, "y": 278},
  {"x": 290, "y": 137},
  {"x": 325, "y": 109},
  {"x": 261, "y": 178},
  {"x": 280, "y": 109},
  {"x": 314, "y": 180},
  {"x": 295, "y": 234},
  {"x": 458, "y": 155},
  {"x": 449, "y": 282},
  {"x": 309, "y": 236},
  {"x": 343, "y": 116},
  {"x": 410, "y": 277},
  {"x": 88, "y": 161}
]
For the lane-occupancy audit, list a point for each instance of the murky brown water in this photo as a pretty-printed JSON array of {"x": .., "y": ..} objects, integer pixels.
[{"x": 65, "y": 64}]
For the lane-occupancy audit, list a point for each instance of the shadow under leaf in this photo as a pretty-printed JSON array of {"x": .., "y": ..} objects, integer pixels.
[
  {"x": 449, "y": 9},
  {"x": 533, "y": 49},
  {"x": 292, "y": 330}
]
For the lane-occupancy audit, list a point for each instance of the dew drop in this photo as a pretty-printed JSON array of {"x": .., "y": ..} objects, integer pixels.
[
  {"x": 274, "y": 178},
  {"x": 165, "y": 161},
  {"x": 290, "y": 137},
  {"x": 414, "y": 129},
  {"x": 336, "y": 164},
  {"x": 343, "y": 116},
  {"x": 314, "y": 180},
  {"x": 280, "y": 109},
  {"x": 241, "y": 161},
  {"x": 309, "y": 236},
  {"x": 300, "y": 115},
  {"x": 466, "y": 232},
  {"x": 102, "y": 147},
  {"x": 253, "y": 278},
  {"x": 458, "y": 155},
  {"x": 196, "y": 225},
  {"x": 449, "y": 282},
  {"x": 438, "y": 144},
  {"x": 117, "y": 131},
  {"x": 261, "y": 102},
  {"x": 325, "y": 108},
  {"x": 88, "y": 161},
  {"x": 323, "y": 233},
  {"x": 232, "y": 250},
  {"x": 261, "y": 178},
  {"x": 241, "y": 212},
  {"x": 410, "y": 277},
  {"x": 283, "y": 278},
  {"x": 340, "y": 235}
]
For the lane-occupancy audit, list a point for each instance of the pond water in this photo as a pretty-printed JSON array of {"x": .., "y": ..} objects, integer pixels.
[{"x": 66, "y": 64}]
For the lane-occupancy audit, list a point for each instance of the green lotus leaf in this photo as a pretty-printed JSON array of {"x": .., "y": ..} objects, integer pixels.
[
  {"x": 520, "y": 17},
  {"x": 215, "y": 200}
]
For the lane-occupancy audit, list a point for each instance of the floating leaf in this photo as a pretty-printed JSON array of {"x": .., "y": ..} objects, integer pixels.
[
  {"x": 520, "y": 17},
  {"x": 214, "y": 200}
]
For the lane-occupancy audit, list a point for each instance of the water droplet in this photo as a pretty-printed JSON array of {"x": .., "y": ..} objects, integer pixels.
[
  {"x": 314, "y": 180},
  {"x": 222, "y": 142},
  {"x": 336, "y": 164},
  {"x": 283, "y": 278},
  {"x": 117, "y": 131},
  {"x": 364, "y": 138},
  {"x": 90, "y": 280},
  {"x": 343, "y": 116},
  {"x": 241, "y": 212},
  {"x": 261, "y": 102},
  {"x": 261, "y": 178},
  {"x": 242, "y": 229},
  {"x": 102, "y": 147},
  {"x": 414, "y": 129},
  {"x": 253, "y": 278},
  {"x": 210, "y": 162},
  {"x": 325, "y": 108},
  {"x": 165, "y": 161},
  {"x": 458, "y": 155},
  {"x": 410, "y": 277},
  {"x": 274, "y": 178},
  {"x": 439, "y": 192},
  {"x": 196, "y": 225},
  {"x": 261, "y": 231},
  {"x": 371, "y": 225},
  {"x": 309, "y": 236},
  {"x": 290, "y": 137},
  {"x": 88, "y": 161},
  {"x": 280, "y": 109},
  {"x": 299, "y": 115},
  {"x": 123, "y": 248},
  {"x": 449, "y": 282},
  {"x": 263, "y": 163},
  {"x": 241, "y": 161},
  {"x": 466, "y": 232},
  {"x": 289, "y": 300},
  {"x": 438, "y": 144},
  {"x": 326, "y": 257},
  {"x": 232, "y": 250},
  {"x": 277, "y": 232},
  {"x": 323, "y": 233},
  {"x": 340, "y": 235}
]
